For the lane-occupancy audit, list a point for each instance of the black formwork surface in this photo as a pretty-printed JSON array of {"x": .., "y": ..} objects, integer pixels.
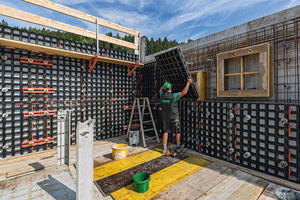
[
  {"x": 61, "y": 43},
  {"x": 262, "y": 142},
  {"x": 90, "y": 95},
  {"x": 174, "y": 68},
  {"x": 260, "y": 136}
]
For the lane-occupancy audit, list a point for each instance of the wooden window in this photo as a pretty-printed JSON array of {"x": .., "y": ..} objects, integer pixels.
[{"x": 245, "y": 72}]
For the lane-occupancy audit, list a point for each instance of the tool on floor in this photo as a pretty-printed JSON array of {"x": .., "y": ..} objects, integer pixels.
[
  {"x": 137, "y": 106},
  {"x": 171, "y": 152}
]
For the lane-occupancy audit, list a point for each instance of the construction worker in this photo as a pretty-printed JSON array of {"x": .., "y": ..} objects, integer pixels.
[{"x": 170, "y": 114}]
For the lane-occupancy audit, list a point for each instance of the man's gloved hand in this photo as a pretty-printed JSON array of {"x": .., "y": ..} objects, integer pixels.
[{"x": 189, "y": 80}]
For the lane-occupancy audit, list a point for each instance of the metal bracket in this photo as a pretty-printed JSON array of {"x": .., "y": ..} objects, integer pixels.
[
  {"x": 134, "y": 67},
  {"x": 92, "y": 62}
]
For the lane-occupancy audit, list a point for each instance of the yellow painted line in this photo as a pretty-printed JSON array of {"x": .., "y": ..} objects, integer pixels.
[
  {"x": 122, "y": 165},
  {"x": 164, "y": 179}
]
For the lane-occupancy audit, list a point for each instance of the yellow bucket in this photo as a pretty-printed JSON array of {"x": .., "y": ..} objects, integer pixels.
[{"x": 119, "y": 151}]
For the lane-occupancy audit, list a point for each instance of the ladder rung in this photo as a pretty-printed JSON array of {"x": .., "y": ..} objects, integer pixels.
[
  {"x": 143, "y": 106},
  {"x": 147, "y": 121},
  {"x": 150, "y": 138},
  {"x": 151, "y": 129}
]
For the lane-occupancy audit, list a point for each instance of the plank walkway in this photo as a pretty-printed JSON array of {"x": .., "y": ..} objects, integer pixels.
[{"x": 207, "y": 179}]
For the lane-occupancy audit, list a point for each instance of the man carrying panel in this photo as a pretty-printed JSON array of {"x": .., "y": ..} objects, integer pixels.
[{"x": 170, "y": 114}]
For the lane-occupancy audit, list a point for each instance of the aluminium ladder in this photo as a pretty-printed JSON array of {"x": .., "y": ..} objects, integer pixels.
[{"x": 145, "y": 104}]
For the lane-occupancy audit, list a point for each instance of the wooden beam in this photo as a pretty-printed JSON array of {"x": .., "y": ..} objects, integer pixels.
[
  {"x": 245, "y": 73},
  {"x": 242, "y": 75},
  {"x": 61, "y": 52},
  {"x": 81, "y": 15},
  {"x": 24, "y": 16}
]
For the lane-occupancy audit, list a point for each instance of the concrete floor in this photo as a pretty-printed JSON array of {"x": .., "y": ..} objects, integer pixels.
[{"x": 52, "y": 183}]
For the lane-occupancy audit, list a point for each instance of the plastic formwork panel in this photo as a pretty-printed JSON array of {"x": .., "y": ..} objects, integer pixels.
[
  {"x": 89, "y": 95},
  {"x": 51, "y": 41},
  {"x": 259, "y": 136},
  {"x": 174, "y": 68}
]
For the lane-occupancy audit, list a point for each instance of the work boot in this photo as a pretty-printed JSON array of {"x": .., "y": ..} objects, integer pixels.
[
  {"x": 164, "y": 151},
  {"x": 180, "y": 148}
]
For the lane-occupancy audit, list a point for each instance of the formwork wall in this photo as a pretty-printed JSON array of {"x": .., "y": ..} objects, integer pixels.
[
  {"x": 100, "y": 95},
  {"x": 257, "y": 133}
]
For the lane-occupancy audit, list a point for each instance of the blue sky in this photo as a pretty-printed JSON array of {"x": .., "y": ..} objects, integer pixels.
[{"x": 174, "y": 19}]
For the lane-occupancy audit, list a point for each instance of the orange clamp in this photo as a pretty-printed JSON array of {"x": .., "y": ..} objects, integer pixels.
[
  {"x": 38, "y": 90},
  {"x": 37, "y": 142},
  {"x": 39, "y": 113}
]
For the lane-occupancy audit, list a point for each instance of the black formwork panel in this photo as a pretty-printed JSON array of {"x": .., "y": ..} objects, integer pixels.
[
  {"x": 100, "y": 95},
  {"x": 51, "y": 41},
  {"x": 174, "y": 68},
  {"x": 260, "y": 136}
]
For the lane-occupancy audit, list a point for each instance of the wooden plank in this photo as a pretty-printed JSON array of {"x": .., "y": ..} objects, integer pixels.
[
  {"x": 249, "y": 171},
  {"x": 255, "y": 49},
  {"x": 102, "y": 155},
  {"x": 203, "y": 83},
  {"x": 28, "y": 17},
  {"x": 251, "y": 189},
  {"x": 243, "y": 93},
  {"x": 197, "y": 184},
  {"x": 121, "y": 165},
  {"x": 81, "y": 15},
  {"x": 61, "y": 52},
  {"x": 196, "y": 78},
  {"x": 242, "y": 75},
  {"x": 8, "y": 160},
  {"x": 119, "y": 180},
  {"x": 269, "y": 192},
  {"x": 164, "y": 179},
  {"x": 220, "y": 75},
  {"x": 238, "y": 186},
  {"x": 263, "y": 71}
]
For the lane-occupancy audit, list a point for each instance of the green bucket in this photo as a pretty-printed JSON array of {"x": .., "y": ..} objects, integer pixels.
[{"x": 141, "y": 182}]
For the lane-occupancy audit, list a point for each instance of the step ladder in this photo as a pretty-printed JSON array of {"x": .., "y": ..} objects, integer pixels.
[{"x": 145, "y": 104}]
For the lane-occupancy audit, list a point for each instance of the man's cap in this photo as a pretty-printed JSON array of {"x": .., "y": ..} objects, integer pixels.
[{"x": 167, "y": 85}]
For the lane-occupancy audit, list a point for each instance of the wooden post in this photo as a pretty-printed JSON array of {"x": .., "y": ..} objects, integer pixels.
[
  {"x": 143, "y": 49},
  {"x": 242, "y": 75},
  {"x": 136, "y": 42}
]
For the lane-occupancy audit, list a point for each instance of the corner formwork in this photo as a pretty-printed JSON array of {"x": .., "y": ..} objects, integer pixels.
[
  {"x": 100, "y": 95},
  {"x": 257, "y": 133}
]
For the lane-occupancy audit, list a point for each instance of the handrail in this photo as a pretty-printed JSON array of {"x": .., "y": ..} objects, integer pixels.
[{"x": 28, "y": 17}]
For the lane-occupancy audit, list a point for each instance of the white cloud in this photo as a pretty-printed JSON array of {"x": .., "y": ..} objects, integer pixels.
[
  {"x": 175, "y": 19},
  {"x": 293, "y": 3}
]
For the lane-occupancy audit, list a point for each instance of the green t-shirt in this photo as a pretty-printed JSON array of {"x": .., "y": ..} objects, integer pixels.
[{"x": 176, "y": 96}]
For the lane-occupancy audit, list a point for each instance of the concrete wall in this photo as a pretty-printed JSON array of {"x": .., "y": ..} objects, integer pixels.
[
  {"x": 249, "y": 26},
  {"x": 285, "y": 70}
]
